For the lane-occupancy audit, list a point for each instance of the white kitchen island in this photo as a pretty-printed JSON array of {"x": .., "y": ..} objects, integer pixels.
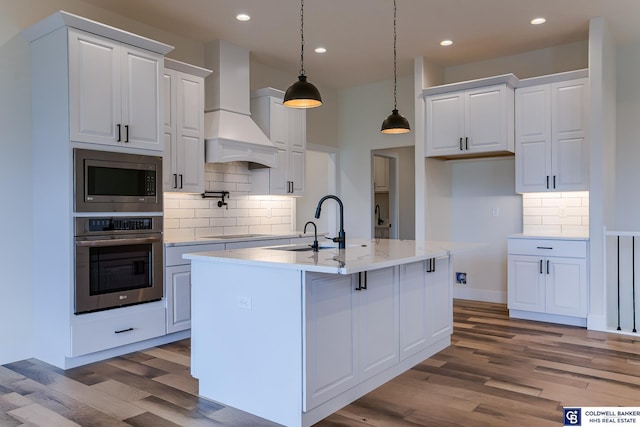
[{"x": 293, "y": 336}]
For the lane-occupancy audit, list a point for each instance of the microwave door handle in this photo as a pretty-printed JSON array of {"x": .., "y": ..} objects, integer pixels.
[{"x": 117, "y": 242}]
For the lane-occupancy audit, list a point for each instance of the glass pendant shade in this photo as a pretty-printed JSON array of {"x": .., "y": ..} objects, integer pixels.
[
  {"x": 395, "y": 123},
  {"x": 302, "y": 94}
]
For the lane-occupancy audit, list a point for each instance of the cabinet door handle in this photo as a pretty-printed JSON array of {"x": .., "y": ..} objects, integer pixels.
[
  {"x": 540, "y": 266},
  {"x": 554, "y": 181},
  {"x": 461, "y": 144},
  {"x": 119, "y": 126},
  {"x": 175, "y": 180},
  {"x": 359, "y": 288},
  {"x": 126, "y": 133},
  {"x": 466, "y": 143},
  {"x": 181, "y": 181},
  {"x": 364, "y": 287},
  {"x": 290, "y": 186},
  {"x": 123, "y": 330},
  {"x": 433, "y": 264},
  {"x": 547, "y": 182},
  {"x": 428, "y": 265},
  {"x": 547, "y": 266}
]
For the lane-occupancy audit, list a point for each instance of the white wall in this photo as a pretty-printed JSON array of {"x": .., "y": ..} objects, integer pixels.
[
  {"x": 362, "y": 110},
  {"x": 16, "y": 214},
  {"x": 628, "y": 138},
  {"x": 602, "y": 146}
]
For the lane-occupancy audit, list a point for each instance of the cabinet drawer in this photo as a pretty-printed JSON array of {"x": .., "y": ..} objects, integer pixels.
[
  {"x": 548, "y": 247},
  {"x": 113, "y": 328},
  {"x": 173, "y": 254},
  {"x": 256, "y": 243}
]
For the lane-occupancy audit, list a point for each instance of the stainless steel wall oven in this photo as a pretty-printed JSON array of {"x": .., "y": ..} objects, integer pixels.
[{"x": 118, "y": 262}]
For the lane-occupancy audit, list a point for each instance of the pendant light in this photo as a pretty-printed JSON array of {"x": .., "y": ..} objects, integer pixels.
[
  {"x": 395, "y": 123},
  {"x": 302, "y": 94}
]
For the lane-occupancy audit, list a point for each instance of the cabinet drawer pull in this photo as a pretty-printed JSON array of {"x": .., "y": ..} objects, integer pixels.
[
  {"x": 544, "y": 247},
  {"x": 123, "y": 330}
]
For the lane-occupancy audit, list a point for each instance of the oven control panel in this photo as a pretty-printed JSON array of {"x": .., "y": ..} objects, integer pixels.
[
  {"x": 107, "y": 225},
  {"x": 119, "y": 224}
]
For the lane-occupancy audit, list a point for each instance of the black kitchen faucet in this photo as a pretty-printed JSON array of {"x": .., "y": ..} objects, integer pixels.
[{"x": 341, "y": 237}]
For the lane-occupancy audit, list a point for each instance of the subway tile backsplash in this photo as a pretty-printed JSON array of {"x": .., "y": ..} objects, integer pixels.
[
  {"x": 189, "y": 216},
  {"x": 556, "y": 214}
]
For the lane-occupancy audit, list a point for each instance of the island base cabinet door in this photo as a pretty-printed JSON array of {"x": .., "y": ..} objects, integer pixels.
[
  {"x": 330, "y": 316},
  {"x": 378, "y": 322},
  {"x": 413, "y": 309},
  {"x": 439, "y": 300},
  {"x": 426, "y": 309},
  {"x": 566, "y": 287}
]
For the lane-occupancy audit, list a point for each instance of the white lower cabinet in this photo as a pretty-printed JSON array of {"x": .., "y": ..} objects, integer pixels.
[
  {"x": 177, "y": 284},
  {"x": 548, "y": 277},
  {"x": 352, "y": 330},
  {"x": 360, "y": 325},
  {"x": 108, "y": 329},
  {"x": 177, "y": 277}
]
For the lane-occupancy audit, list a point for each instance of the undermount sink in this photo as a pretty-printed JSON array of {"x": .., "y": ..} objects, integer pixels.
[
  {"x": 308, "y": 248},
  {"x": 234, "y": 236}
]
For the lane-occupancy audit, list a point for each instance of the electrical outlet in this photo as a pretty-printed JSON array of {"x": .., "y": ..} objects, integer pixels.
[
  {"x": 244, "y": 302},
  {"x": 495, "y": 211},
  {"x": 461, "y": 278}
]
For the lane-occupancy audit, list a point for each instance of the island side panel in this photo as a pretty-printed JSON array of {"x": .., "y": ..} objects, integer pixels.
[{"x": 247, "y": 338}]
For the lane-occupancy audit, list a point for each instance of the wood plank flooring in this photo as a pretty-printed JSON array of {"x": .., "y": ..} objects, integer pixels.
[{"x": 497, "y": 372}]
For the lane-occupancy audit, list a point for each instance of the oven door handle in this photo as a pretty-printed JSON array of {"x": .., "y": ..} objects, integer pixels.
[{"x": 117, "y": 242}]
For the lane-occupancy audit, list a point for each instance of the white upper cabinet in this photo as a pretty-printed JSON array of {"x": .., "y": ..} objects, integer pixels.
[
  {"x": 184, "y": 127},
  {"x": 380, "y": 174},
  {"x": 470, "y": 119},
  {"x": 552, "y": 152},
  {"x": 114, "y": 93},
  {"x": 287, "y": 129}
]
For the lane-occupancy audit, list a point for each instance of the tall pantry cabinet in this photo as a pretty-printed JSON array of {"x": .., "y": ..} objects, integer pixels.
[{"x": 96, "y": 87}]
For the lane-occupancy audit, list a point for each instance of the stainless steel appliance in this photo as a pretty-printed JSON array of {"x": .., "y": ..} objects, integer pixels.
[
  {"x": 106, "y": 181},
  {"x": 118, "y": 262}
]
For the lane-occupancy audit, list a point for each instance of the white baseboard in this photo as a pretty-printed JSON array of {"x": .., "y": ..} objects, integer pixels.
[{"x": 463, "y": 292}]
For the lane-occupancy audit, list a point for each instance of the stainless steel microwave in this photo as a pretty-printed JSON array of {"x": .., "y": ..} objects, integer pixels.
[{"x": 107, "y": 181}]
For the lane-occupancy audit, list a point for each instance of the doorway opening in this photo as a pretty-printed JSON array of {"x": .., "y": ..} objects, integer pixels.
[{"x": 393, "y": 193}]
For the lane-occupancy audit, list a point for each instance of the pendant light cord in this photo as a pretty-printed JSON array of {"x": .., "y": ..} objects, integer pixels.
[
  {"x": 302, "y": 37},
  {"x": 395, "y": 54}
]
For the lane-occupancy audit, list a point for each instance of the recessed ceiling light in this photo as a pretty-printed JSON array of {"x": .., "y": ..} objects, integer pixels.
[
  {"x": 446, "y": 43},
  {"x": 538, "y": 21},
  {"x": 320, "y": 50},
  {"x": 243, "y": 17}
]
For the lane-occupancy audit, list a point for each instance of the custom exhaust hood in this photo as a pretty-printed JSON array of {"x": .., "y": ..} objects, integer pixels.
[{"x": 230, "y": 134}]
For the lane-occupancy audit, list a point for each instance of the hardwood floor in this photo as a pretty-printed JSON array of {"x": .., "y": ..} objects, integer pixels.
[{"x": 497, "y": 372}]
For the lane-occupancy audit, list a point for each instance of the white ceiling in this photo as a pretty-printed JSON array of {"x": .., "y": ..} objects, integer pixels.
[{"x": 358, "y": 34}]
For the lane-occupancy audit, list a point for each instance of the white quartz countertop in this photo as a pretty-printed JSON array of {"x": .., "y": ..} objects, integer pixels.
[{"x": 360, "y": 255}]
